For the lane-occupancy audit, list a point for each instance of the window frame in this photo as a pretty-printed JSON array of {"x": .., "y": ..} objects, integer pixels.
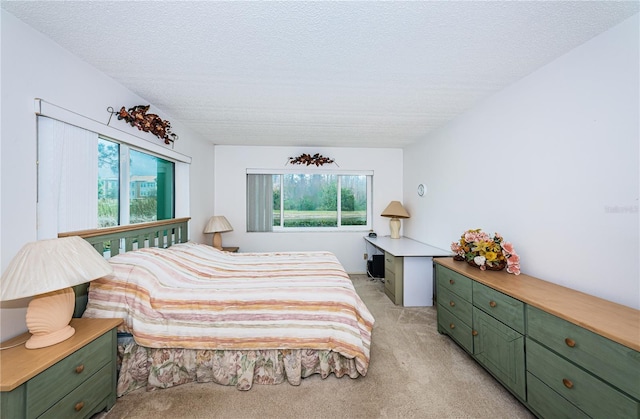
[
  {"x": 124, "y": 183},
  {"x": 338, "y": 173}
]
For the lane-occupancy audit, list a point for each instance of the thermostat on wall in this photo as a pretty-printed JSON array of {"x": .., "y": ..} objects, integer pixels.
[{"x": 421, "y": 189}]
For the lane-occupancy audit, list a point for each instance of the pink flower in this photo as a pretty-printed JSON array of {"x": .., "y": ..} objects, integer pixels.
[
  {"x": 508, "y": 247},
  {"x": 470, "y": 237},
  {"x": 455, "y": 247},
  {"x": 514, "y": 269}
]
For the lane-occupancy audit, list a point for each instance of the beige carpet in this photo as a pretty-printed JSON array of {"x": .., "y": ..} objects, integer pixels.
[{"x": 414, "y": 373}]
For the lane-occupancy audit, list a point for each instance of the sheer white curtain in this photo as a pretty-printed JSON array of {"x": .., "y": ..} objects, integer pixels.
[
  {"x": 259, "y": 202},
  {"x": 67, "y": 178}
]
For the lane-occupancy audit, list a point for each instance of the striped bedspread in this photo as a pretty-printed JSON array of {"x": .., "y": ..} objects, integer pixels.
[{"x": 194, "y": 296}]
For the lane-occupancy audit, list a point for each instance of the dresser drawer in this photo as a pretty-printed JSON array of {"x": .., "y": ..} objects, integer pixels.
[
  {"x": 500, "y": 306},
  {"x": 82, "y": 401},
  {"x": 454, "y": 282},
  {"x": 60, "y": 379},
  {"x": 455, "y": 304},
  {"x": 549, "y": 404},
  {"x": 456, "y": 328},
  {"x": 589, "y": 394},
  {"x": 614, "y": 363}
]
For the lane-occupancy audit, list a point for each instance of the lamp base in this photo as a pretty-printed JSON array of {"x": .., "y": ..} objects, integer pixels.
[
  {"x": 48, "y": 317},
  {"x": 394, "y": 226},
  {"x": 217, "y": 241}
]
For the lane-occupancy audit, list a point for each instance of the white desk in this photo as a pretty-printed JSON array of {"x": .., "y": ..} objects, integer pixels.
[{"x": 408, "y": 269}]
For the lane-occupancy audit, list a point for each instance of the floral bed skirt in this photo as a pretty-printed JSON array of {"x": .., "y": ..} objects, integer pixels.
[{"x": 163, "y": 368}]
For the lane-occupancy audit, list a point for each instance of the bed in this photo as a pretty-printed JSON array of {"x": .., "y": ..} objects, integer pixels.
[{"x": 193, "y": 313}]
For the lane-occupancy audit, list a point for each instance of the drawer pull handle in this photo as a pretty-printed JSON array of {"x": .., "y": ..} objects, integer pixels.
[
  {"x": 570, "y": 342},
  {"x": 79, "y": 369},
  {"x": 452, "y": 303},
  {"x": 567, "y": 383},
  {"x": 451, "y": 281},
  {"x": 452, "y": 326},
  {"x": 492, "y": 304},
  {"x": 474, "y": 333},
  {"x": 79, "y": 406}
]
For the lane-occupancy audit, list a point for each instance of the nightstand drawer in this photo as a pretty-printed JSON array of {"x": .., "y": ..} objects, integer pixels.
[
  {"x": 609, "y": 360},
  {"x": 456, "y": 328},
  {"x": 500, "y": 306},
  {"x": 54, "y": 383},
  {"x": 455, "y": 304},
  {"x": 81, "y": 402},
  {"x": 594, "y": 397},
  {"x": 454, "y": 282}
]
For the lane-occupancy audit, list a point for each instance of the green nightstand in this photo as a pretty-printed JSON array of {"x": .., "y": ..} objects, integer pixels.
[{"x": 75, "y": 378}]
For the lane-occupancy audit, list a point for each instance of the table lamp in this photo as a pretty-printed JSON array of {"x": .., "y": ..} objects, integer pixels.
[
  {"x": 395, "y": 211},
  {"x": 216, "y": 225},
  {"x": 46, "y": 270}
]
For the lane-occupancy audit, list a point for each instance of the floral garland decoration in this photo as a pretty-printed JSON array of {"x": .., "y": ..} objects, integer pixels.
[
  {"x": 137, "y": 116},
  {"x": 308, "y": 159},
  {"x": 485, "y": 252}
]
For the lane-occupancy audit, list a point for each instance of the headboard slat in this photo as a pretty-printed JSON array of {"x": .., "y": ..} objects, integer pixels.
[{"x": 112, "y": 241}]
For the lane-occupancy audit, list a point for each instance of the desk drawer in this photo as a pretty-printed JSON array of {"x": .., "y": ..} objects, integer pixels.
[
  {"x": 60, "y": 379},
  {"x": 389, "y": 262},
  {"x": 390, "y": 281},
  {"x": 454, "y": 282},
  {"x": 594, "y": 397},
  {"x": 609, "y": 360},
  {"x": 500, "y": 306}
]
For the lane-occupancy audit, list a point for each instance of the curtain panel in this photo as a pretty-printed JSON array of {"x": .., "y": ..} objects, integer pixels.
[
  {"x": 259, "y": 203},
  {"x": 67, "y": 173}
]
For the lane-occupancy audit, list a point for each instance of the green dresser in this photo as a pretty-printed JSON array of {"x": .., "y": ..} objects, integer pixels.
[
  {"x": 597, "y": 376},
  {"x": 563, "y": 353},
  {"x": 75, "y": 378},
  {"x": 486, "y": 323},
  {"x": 455, "y": 313}
]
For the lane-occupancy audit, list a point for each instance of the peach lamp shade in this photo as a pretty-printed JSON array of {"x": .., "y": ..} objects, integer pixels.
[
  {"x": 395, "y": 211},
  {"x": 46, "y": 270}
]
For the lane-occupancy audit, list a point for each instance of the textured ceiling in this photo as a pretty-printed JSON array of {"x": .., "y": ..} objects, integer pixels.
[{"x": 362, "y": 74}]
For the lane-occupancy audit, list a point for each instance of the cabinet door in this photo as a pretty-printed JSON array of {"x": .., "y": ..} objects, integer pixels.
[{"x": 500, "y": 349}]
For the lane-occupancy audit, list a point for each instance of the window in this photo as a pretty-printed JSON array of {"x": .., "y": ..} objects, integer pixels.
[
  {"x": 148, "y": 195},
  {"x": 325, "y": 201}
]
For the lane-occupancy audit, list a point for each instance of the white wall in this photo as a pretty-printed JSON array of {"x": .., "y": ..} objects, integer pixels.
[
  {"x": 230, "y": 198},
  {"x": 35, "y": 67},
  {"x": 551, "y": 163}
]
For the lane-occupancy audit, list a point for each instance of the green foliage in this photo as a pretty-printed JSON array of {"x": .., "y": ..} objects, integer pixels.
[
  {"x": 107, "y": 212},
  {"x": 311, "y": 222},
  {"x": 109, "y": 155},
  {"x": 347, "y": 200},
  {"x": 276, "y": 199},
  {"x": 311, "y": 200},
  {"x": 142, "y": 210}
]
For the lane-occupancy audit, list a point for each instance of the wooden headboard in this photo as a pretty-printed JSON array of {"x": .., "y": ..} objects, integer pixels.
[{"x": 112, "y": 241}]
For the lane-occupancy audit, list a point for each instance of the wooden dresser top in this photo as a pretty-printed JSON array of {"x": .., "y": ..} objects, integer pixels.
[{"x": 614, "y": 321}]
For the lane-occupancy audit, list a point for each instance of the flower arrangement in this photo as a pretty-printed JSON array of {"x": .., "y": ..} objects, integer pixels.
[{"x": 485, "y": 252}]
